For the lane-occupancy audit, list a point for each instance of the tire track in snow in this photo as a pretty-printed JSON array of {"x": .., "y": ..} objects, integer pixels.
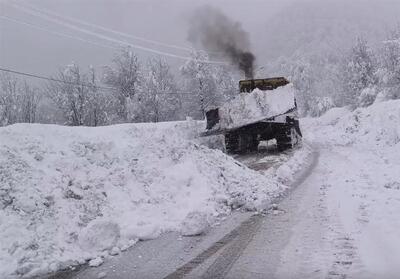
[
  {"x": 239, "y": 238},
  {"x": 243, "y": 232},
  {"x": 343, "y": 247},
  {"x": 348, "y": 263}
]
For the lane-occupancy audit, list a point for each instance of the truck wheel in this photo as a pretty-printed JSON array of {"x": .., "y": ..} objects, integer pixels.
[
  {"x": 231, "y": 142},
  {"x": 297, "y": 127},
  {"x": 288, "y": 139},
  {"x": 248, "y": 142},
  {"x": 295, "y": 135},
  {"x": 254, "y": 142},
  {"x": 238, "y": 143}
]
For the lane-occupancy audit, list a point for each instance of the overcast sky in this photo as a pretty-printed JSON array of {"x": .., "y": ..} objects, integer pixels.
[
  {"x": 29, "y": 49},
  {"x": 26, "y": 48}
]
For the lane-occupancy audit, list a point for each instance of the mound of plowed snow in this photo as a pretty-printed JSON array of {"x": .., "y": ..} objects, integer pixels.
[
  {"x": 377, "y": 125},
  {"x": 69, "y": 195}
]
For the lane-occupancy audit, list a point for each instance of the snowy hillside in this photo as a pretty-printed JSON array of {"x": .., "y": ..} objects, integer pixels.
[
  {"x": 73, "y": 194},
  {"x": 371, "y": 127}
]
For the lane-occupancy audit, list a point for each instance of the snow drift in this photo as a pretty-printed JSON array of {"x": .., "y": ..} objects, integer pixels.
[
  {"x": 69, "y": 195},
  {"x": 377, "y": 125}
]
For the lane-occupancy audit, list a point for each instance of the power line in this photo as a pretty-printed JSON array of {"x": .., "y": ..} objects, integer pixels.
[
  {"x": 154, "y": 42},
  {"x": 55, "y": 33},
  {"x": 48, "y": 12},
  {"x": 77, "y": 84},
  {"x": 104, "y": 37},
  {"x": 54, "y": 79}
]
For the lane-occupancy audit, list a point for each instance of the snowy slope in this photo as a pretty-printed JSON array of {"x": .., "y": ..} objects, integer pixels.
[
  {"x": 69, "y": 195},
  {"x": 375, "y": 126}
]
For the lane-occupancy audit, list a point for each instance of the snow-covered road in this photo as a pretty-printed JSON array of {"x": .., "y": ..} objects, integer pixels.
[
  {"x": 341, "y": 222},
  {"x": 337, "y": 224}
]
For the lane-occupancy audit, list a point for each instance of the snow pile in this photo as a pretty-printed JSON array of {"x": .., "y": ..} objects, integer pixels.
[
  {"x": 69, "y": 195},
  {"x": 251, "y": 107},
  {"x": 296, "y": 165},
  {"x": 359, "y": 175},
  {"x": 378, "y": 124}
]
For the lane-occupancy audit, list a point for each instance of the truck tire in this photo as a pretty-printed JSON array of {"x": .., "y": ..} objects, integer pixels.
[
  {"x": 248, "y": 142},
  {"x": 231, "y": 142},
  {"x": 288, "y": 138},
  {"x": 297, "y": 127},
  {"x": 240, "y": 143},
  {"x": 254, "y": 143}
]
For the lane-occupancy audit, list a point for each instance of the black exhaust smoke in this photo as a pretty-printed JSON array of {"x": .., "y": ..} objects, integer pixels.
[{"x": 214, "y": 32}]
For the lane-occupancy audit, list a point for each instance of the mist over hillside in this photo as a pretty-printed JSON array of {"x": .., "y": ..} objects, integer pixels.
[{"x": 318, "y": 27}]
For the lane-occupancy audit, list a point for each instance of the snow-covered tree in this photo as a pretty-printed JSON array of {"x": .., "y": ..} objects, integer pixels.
[
  {"x": 359, "y": 73},
  {"x": 124, "y": 75},
  {"x": 201, "y": 81},
  {"x": 389, "y": 74},
  {"x": 78, "y": 97},
  {"x": 101, "y": 102},
  {"x": 29, "y": 102},
  {"x": 8, "y": 100},
  {"x": 158, "y": 99},
  {"x": 227, "y": 81},
  {"x": 302, "y": 77},
  {"x": 18, "y": 102},
  {"x": 70, "y": 95}
]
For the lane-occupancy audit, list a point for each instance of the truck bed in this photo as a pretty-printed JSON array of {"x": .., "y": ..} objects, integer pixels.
[
  {"x": 250, "y": 108},
  {"x": 217, "y": 130}
]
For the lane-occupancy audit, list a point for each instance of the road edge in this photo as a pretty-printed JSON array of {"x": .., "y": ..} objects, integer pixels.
[{"x": 245, "y": 231}]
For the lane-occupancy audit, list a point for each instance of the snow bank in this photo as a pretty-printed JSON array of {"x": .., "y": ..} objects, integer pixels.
[
  {"x": 255, "y": 106},
  {"x": 296, "y": 166},
  {"x": 378, "y": 124},
  {"x": 360, "y": 177},
  {"x": 69, "y": 195}
]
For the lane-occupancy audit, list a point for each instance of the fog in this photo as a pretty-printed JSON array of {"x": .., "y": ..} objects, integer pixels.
[{"x": 276, "y": 28}]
